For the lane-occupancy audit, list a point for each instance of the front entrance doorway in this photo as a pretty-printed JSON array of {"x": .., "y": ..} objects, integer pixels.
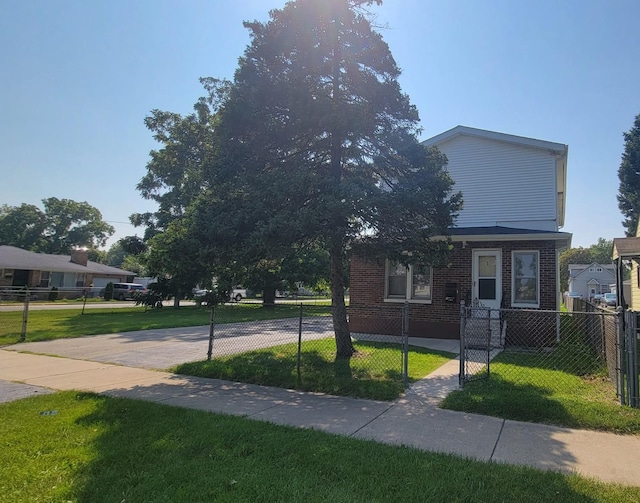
[{"x": 487, "y": 278}]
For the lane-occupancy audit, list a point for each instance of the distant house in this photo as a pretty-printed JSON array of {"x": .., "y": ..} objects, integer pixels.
[
  {"x": 591, "y": 279},
  {"x": 20, "y": 268},
  {"x": 506, "y": 242}
]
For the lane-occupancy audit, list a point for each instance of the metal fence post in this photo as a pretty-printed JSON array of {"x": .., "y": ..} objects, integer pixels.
[
  {"x": 211, "y": 332},
  {"x": 299, "y": 356},
  {"x": 25, "y": 317},
  {"x": 405, "y": 343},
  {"x": 631, "y": 349},
  {"x": 620, "y": 356},
  {"x": 463, "y": 321}
]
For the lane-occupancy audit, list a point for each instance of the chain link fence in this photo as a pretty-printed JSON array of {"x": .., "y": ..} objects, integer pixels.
[
  {"x": 542, "y": 348},
  {"x": 630, "y": 382},
  {"x": 306, "y": 345},
  {"x": 14, "y": 323}
]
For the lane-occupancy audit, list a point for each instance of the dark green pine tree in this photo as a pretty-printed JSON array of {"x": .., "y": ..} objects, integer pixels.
[
  {"x": 316, "y": 142},
  {"x": 629, "y": 175}
]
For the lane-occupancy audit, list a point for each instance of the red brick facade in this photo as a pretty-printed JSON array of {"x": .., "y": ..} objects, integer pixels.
[{"x": 441, "y": 318}]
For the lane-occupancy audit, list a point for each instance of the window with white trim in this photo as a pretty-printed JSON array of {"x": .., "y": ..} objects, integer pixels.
[
  {"x": 412, "y": 282},
  {"x": 525, "y": 277}
]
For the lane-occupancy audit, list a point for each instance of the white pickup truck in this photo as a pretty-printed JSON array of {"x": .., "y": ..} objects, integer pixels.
[{"x": 238, "y": 294}]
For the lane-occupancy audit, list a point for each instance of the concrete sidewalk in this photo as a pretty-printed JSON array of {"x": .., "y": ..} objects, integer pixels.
[{"x": 414, "y": 420}]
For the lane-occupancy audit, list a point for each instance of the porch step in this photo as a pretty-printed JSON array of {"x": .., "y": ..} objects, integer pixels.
[{"x": 482, "y": 331}]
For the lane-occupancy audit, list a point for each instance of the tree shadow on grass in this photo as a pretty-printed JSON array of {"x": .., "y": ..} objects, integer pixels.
[
  {"x": 320, "y": 371},
  {"x": 148, "y": 452},
  {"x": 499, "y": 397}
]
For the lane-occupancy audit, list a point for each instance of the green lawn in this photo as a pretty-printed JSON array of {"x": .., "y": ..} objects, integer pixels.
[
  {"x": 374, "y": 372},
  {"x": 100, "y": 449},
  {"x": 521, "y": 389},
  {"x": 57, "y": 324}
]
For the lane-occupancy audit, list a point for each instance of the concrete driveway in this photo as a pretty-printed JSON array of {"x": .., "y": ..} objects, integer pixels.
[
  {"x": 161, "y": 349},
  {"x": 164, "y": 348}
]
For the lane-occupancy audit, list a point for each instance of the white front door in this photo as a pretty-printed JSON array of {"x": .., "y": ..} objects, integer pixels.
[{"x": 487, "y": 278}]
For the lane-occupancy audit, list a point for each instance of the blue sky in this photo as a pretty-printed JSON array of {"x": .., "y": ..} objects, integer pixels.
[{"x": 78, "y": 79}]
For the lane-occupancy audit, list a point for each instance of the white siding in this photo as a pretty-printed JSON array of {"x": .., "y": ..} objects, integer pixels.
[{"x": 503, "y": 184}]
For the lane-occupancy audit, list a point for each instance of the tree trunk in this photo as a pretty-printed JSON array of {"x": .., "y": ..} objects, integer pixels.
[
  {"x": 344, "y": 347},
  {"x": 269, "y": 297}
]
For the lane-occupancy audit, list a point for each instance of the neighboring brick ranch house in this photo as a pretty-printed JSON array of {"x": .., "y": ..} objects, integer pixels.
[
  {"x": 506, "y": 241},
  {"x": 43, "y": 271}
]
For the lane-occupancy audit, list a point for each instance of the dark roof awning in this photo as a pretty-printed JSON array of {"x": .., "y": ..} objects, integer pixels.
[
  {"x": 499, "y": 233},
  {"x": 626, "y": 248}
]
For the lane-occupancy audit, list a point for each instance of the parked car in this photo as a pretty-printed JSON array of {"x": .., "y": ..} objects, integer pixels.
[
  {"x": 127, "y": 291},
  {"x": 597, "y": 298},
  {"x": 237, "y": 294},
  {"x": 609, "y": 299}
]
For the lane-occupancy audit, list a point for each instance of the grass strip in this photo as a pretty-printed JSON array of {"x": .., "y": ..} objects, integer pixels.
[
  {"x": 524, "y": 389},
  {"x": 374, "y": 372},
  {"x": 102, "y": 449}
]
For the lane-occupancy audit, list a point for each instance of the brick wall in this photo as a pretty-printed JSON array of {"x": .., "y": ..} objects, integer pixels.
[{"x": 441, "y": 319}]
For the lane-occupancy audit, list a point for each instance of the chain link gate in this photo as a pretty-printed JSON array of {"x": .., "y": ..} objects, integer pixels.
[{"x": 481, "y": 336}]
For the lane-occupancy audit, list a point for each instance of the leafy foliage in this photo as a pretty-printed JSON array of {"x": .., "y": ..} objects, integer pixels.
[
  {"x": 22, "y": 226},
  {"x": 316, "y": 143},
  {"x": 108, "y": 291},
  {"x": 312, "y": 145},
  {"x": 62, "y": 226},
  {"x": 629, "y": 175}
]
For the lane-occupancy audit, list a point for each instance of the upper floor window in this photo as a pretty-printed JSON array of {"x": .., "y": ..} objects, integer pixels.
[
  {"x": 592, "y": 269},
  {"x": 525, "y": 291},
  {"x": 598, "y": 269},
  {"x": 410, "y": 282}
]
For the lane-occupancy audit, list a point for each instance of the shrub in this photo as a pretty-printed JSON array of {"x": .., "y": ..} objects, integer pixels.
[
  {"x": 150, "y": 298},
  {"x": 108, "y": 291},
  {"x": 53, "y": 294}
]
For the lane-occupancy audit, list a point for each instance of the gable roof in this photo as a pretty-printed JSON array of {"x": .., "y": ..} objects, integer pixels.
[
  {"x": 17, "y": 258},
  {"x": 522, "y": 141},
  {"x": 576, "y": 270},
  {"x": 559, "y": 150}
]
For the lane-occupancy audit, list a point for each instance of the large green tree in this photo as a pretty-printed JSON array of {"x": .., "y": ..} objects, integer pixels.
[
  {"x": 317, "y": 142},
  {"x": 174, "y": 176},
  {"x": 629, "y": 175},
  {"x": 23, "y": 226},
  {"x": 174, "y": 179},
  {"x": 176, "y": 258},
  {"x": 62, "y": 226}
]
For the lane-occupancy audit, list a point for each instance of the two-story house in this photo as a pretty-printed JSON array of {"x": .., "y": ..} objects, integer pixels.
[
  {"x": 506, "y": 242},
  {"x": 591, "y": 279}
]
